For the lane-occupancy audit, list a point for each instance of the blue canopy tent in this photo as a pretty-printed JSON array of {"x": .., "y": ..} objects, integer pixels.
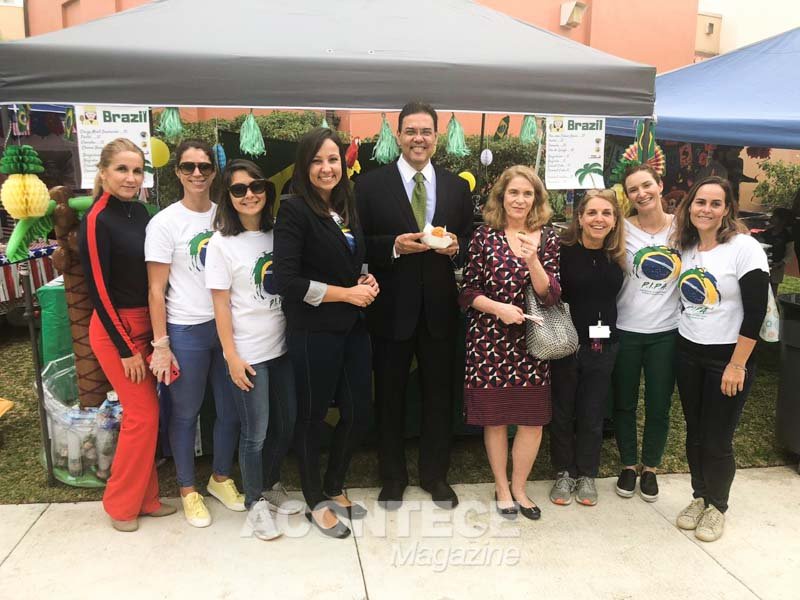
[{"x": 747, "y": 97}]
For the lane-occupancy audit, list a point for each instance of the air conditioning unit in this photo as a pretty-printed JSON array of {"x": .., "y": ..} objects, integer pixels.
[{"x": 572, "y": 13}]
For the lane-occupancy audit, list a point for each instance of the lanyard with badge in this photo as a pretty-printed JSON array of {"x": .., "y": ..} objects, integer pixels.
[{"x": 598, "y": 333}]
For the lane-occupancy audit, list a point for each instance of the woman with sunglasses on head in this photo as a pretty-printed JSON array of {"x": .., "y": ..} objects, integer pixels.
[
  {"x": 592, "y": 262},
  {"x": 724, "y": 286},
  {"x": 319, "y": 251},
  {"x": 111, "y": 245},
  {"x": 647, "y": 318},
  {"x": 184, "y": 332},
  {"x": 251, "y": 327}
]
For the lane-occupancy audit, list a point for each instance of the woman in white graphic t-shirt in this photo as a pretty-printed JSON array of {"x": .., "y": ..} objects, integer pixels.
[
  {"x": 252, "y": 329},
  {"x": 185, "y": 335},
  {"x": 647, "y": 322},
  {"x": 724, "y": 286}
]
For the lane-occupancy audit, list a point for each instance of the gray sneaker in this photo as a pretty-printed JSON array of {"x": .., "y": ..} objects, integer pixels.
[
  {"x": 710, "y": 526},
  {"x": 260, "y": 521},
  {"x": 563, "y": 488},
  {"x": 586, "y": 491},
  {"x": 279, "y": 501},
  {"x": 689, "y": 517}
]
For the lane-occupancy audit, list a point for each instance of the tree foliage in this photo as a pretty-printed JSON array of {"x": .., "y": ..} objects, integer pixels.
[{"x": 780, "y": 184}]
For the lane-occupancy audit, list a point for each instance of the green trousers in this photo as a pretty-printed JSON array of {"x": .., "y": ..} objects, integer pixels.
[{"x": 655, "y": 353}]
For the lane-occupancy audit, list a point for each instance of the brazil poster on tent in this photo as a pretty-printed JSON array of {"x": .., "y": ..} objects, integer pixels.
[
  {"x": 575, "y": 147},
  {"x": 97, "y": 125}
]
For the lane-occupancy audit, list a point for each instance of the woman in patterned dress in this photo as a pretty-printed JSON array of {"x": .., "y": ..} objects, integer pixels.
[{"x": 504, "y": 384}]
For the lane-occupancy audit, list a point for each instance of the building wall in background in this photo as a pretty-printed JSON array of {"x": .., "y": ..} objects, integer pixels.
[{"x": 12, "y": 20}]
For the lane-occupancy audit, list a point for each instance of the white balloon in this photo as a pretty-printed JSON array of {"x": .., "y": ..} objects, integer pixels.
[{"x": 486, "y": 157}]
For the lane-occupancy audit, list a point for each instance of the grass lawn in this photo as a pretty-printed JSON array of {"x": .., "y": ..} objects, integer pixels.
[{"x": 23, "y": 480}]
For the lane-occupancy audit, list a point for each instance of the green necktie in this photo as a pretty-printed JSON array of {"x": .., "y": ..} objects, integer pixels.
[{"x": 419, "y": 200}]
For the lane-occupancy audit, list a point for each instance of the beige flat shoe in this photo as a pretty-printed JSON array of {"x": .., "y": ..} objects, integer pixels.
[
  {"x": 125, "y": 526},
  {"x": 162, "y": 511}
]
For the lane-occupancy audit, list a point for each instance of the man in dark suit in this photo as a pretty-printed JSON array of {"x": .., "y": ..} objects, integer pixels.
[{"x": 416, "y": 312}]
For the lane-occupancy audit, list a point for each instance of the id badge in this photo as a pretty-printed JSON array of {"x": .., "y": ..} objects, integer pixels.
[{"x": 599, "y": 332}]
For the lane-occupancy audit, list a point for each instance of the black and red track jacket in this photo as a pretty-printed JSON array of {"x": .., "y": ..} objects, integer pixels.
[{"x": 111, "y": 246}]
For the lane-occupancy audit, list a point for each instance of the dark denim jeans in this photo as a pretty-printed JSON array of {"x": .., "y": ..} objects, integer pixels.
[
  {"x": 268, "y": 412},
  {"x": 711, "y": 420},
  {"x": 199, "y": 355},
  {"x": 579, "y": 388}
]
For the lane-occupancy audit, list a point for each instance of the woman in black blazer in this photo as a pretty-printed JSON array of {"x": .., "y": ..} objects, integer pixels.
[{"x": 319, "y": 251}]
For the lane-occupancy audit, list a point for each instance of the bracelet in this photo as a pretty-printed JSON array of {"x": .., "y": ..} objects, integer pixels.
[
  {"x": 162, "y": 342},
  {"x": 738, "y": 367}
]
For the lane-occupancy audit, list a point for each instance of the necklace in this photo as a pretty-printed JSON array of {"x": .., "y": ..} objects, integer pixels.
[
  {"x": 658, "y": 230},
  {"x": 129, "y": 208}
]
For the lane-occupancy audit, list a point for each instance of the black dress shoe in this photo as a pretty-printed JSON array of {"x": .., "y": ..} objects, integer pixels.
[
  {"x": 391, "y": 496},
  {"x": 338, "y": 531},
  {"x": 506, "y": 513},
  {"x": 354, "y": 511},
  {"x": 442, "y": 494},
  {"x": 533, "y": 513}
]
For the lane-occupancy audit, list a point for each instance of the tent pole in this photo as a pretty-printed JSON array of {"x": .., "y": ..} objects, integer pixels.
[
  {"x": 24, "y": 269},
  {"x": 539, "y": 141},
  {"x": 480, "y": 149}
]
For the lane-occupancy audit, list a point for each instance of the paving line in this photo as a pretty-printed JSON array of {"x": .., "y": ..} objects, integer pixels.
[
  {"x": 22, "y": 537},
  {"x": 704, "y": 551}
]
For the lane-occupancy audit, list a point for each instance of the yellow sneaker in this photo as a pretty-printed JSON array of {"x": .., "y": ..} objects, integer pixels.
[
  {"x": 195, "y": 511},
  {"x": 226, "y": 492}
]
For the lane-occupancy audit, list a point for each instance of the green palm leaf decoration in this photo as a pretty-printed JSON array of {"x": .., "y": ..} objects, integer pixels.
[
  {"x": 30, "y": 229},
  {"x": 589, "y": 170}
]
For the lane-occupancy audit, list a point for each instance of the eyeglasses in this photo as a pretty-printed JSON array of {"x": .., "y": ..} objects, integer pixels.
[
  {"x": 187, "y": 168},
  {"x": 239, "y": 190}
]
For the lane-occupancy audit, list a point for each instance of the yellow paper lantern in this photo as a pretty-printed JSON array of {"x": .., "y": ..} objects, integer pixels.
[
  {"x": 469, "y": 178},
  {"x": 159, "y": 152}
]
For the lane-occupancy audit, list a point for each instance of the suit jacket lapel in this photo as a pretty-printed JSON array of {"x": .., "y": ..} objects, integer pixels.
[{"x": 398, "y": 191}]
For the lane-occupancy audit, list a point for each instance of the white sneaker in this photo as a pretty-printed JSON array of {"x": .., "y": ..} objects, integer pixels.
[
  {"x": 711, "y": 524},
  {"x": 260, "y": 520},
  {"x": 195, "y": 511},
  {"x": 280, "y": 502},
  {"x": 689, "y": 517}
]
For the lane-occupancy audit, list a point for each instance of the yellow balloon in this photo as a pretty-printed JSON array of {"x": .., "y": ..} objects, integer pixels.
[
  {"x": 159, "y": 152},
  {"x": 469, "y": 178}
]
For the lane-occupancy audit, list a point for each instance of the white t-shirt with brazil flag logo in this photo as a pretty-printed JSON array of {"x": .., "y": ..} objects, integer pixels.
[
  {"x": 648, "y": 301},
  {"x": 243, "y": 264},
  {"x": 709, "y": 289},
  {"x": 178, "y": 237}
]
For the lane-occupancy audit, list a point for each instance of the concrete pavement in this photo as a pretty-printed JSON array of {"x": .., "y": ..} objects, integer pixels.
[{"x": 620, "y": 549}]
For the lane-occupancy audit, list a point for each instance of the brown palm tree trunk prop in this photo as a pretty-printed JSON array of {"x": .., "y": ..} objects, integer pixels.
[{"x": 92, "y": 383}]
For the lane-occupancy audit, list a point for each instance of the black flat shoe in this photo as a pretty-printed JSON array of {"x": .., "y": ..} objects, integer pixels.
[
  {"x": 533, "y": 513},
  {"x": 338, "y": 531},
  {"x": 506, "y": 513},
  {"x": 354, "y": 511},
  {"x": 391, "y": 495},
  {"x": 442, "y": 494}
]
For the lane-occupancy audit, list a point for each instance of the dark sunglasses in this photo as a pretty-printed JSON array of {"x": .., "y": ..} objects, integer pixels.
[
  {"x": 187, "y": 168},
  {"x": 239, "y": 190}
]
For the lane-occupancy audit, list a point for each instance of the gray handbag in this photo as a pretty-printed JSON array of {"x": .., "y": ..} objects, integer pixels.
[{"x": 556, "y": 336}]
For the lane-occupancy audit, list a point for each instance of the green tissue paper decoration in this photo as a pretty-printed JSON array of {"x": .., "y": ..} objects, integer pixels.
[
  {"x": 20, "y": 160},
  {"x": 250, "y": 140},
  {"x": 527, "y": 135},
  {"x": 456, "y": 144},
  {"x": 324, "y": 123},
  {"x": 386, "y": 148},
  {"x": 169, "y": 124}
]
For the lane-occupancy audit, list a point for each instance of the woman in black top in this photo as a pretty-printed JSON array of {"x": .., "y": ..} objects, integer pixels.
[
  {"x": 112, "y": 253},
  {"x": 592, "y": 261},
  {"x": 319, "y": 251}
]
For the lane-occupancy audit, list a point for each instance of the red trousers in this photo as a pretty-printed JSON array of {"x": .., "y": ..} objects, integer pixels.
[{"x": 133, "y": 486}]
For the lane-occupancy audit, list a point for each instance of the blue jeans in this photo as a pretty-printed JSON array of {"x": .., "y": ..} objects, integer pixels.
[
  {"x": 199, "y": 355},
  {"x": 268, "y": 412}
]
